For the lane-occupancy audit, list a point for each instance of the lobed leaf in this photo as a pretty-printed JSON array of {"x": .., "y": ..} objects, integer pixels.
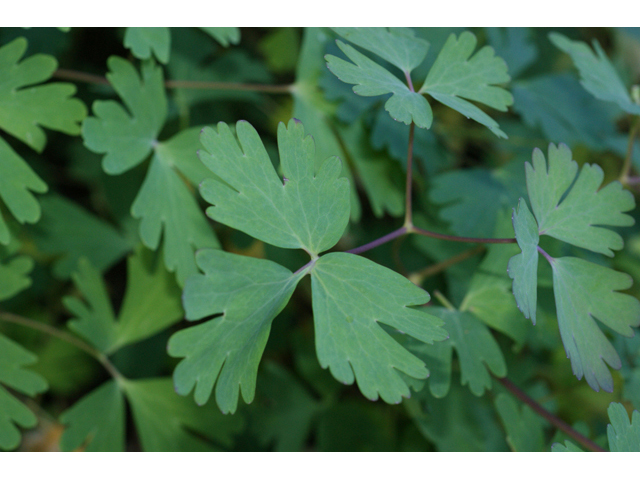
[
  {"x": 223, "y": 35},
  {"x": 524, "y": 430},
  {"x": 145, "y": 41},
  {"x": 14, "y": 271},
  {"x": 351, "y": 296},
  {"x": 226, "y": 350},
  {"x": 624, "y": 436},
  {"x": 307, "y": 210},
  {"x": 596, "y": 72}
]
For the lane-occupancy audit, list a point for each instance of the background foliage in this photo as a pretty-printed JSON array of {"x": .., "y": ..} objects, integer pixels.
[{"x": 102, "y": 211}]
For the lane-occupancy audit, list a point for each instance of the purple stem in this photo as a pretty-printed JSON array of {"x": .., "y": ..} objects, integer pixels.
[
  {"x": 453, "y": 238},
  {"x": 387, "y": 238},
  {"x": 546, "y": 255}
]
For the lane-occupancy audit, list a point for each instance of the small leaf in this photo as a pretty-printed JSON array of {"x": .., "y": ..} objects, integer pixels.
[
  {"x": 567, "y": 447},
  {"x": 144, "y": 40},
  {"x": 223, "y": 35},
  {"x": 96, "y": 423},
  {"x": 351, "y": 296},
  {"x": 624, "y": 436},
  {"x": 596, "y": 72},
  {"x": 308, "y": 210},
  {"x": 14, "y": 271},
  {"x": 524, "y": 430},
  {"x": 456, "y": 75},
  {"x": 226, "y": 350}
]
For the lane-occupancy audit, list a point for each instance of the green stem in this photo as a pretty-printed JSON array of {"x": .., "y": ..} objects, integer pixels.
[
  {"x": 408, "y": 214},
  {"x": 443, "y": 300},
  {"x": 626, "y": 166},
  {"x": 64, "y": 336}
]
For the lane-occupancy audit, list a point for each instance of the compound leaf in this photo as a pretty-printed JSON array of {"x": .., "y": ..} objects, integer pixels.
[
  {"x": 624, "y": 436},
  {"x": 585, "y": 292},
  {"x": 307, "y": 210},
  {"x": 523, "y": 267},
  {"x": 127, "y": 137},
  {"x": 167, "y": 422},
  {"x": 25, "y": 108},
  {"x": 351, "y": 296},
  {"x": 596, "y": 72},
  {"x": 13, "y": 359},
  {"x": 398, "y": 46},
  {"x": 226, "y": 350},
  {"x": 145, "y": 41},
  {"x": 371, "y": 80},
  {"x": 575, "y": 212},
  {"x": 96, "y": 423},
  {"x": 456, "y": 75}
]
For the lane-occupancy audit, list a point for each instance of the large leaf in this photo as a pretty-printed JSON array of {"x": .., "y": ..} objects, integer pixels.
[
  {"x": 596, "y": 72},
  {"x": 456, "y": 76},
  {"x": 352, "y": 296},
  {"x": 306, "y": 209},
  {"x": 96, "y": 422},
  {"x": 167, "y": 422},
  {"x": 13, "y": 413},
  {"x": 226, "y": 350}
]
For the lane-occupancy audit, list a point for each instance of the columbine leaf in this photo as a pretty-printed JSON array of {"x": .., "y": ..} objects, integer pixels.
[
  {"x": 307, "y": 210},
  {"x": 596, "y": 72},
  {"x": 96, "y": 423},
  {"x": 624, "y": 436},
  {"x": 585, "y": 292},
  {"x": 456, "y": 75},
  {"x": 144, "y": 40},
  {"x": 23, "y": 111},
  {"x": 523, "y": 267},
  {"x": 350, "y": 296},
  {"x": 567, "y": 447},
  {"x": 514, "y": 46},
  {"x": 13, "y": 359},
  {"x": 372, "y": 80},
  {"x": 151, "y": 304},
  {"x": 164, "y": 202},
  {"x": 398, "y": 46},
  {"x": 166, "y": 422},
  {"x": 226, "y": 350},
  {"x": 524, "y": 430},
  {"x": 127, "y": 138},
  {"x": 223, "y": 35},
  {"x": 14, "y": 270},
  {"x": 576, "y": 212},
  {"x": 477, "y": 351}
]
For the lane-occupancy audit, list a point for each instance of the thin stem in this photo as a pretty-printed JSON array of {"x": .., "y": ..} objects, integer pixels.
[
  {"x": 545, "y": 255},
  {"x": 54, "y": 332},
  {"x": 196, "y": 85},
  {"x": 443, "y": 300},
  {"x": 387, "y": 238},
  {"x": 408, "y": 215},
  {"x": 552, "y": 419},
  {"x": 419, "y": 276},
  {"x": 454, "y": 238},
  {"x": 626, "y": 166}
]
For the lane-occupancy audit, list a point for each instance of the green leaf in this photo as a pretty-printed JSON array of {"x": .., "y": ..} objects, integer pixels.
[
  {"x": 351, "y": 294},
  {"x": 624, "y": 436},
  {"x": 17, "y": 181},
  {"x": 456, "y": 75},
  {"x": 523, "y": 267},
  {"x": 24, "y": 111},
  {"x": 514, "y": 46},
  {"x": 166, "y": 422},
  {"x": 143, "y": 41},
  {"x": 151, "y": 304},
  {"x": 575, "y": 210},
  {"x": 223, "y": 35},
  {"x": 226, "y": 350},
  {"x": 567, "y": 447},
  {"x": 308, "y": 209},
  {"x": 13, "y": 359},
  {"x": 477, "y": 351},
  {"x": 371, "y": 80},
  {"x": 164, "y": 202},
  {"x": 596, "y": 72},
  {"x": 14, "y": 271},
  {"x": 92, "y": 431},
  {"x": 584, "y": 292},
  {"x": 127, "y": 137},
  {"x": 69, "y": 232},
  {"x": 398, "y": 46},
  {"x": 524, "y": 430}
]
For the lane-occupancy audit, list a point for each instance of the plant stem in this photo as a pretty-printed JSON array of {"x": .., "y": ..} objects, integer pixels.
[
  {"x": 552, "y": 419},
  {"x": 546, "y": 255},
  {"x": 443, "y": 300},
  {"x": 626, "y": 166},
  {"x": 250, "y": 87},
  {"x": 454, "y": 238},
  {"x": 408, "y": 214},
  {"x": 387, "y": 238},
  {"x": 419, "y": 276},
  {"x": 54, "y": 332}
]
